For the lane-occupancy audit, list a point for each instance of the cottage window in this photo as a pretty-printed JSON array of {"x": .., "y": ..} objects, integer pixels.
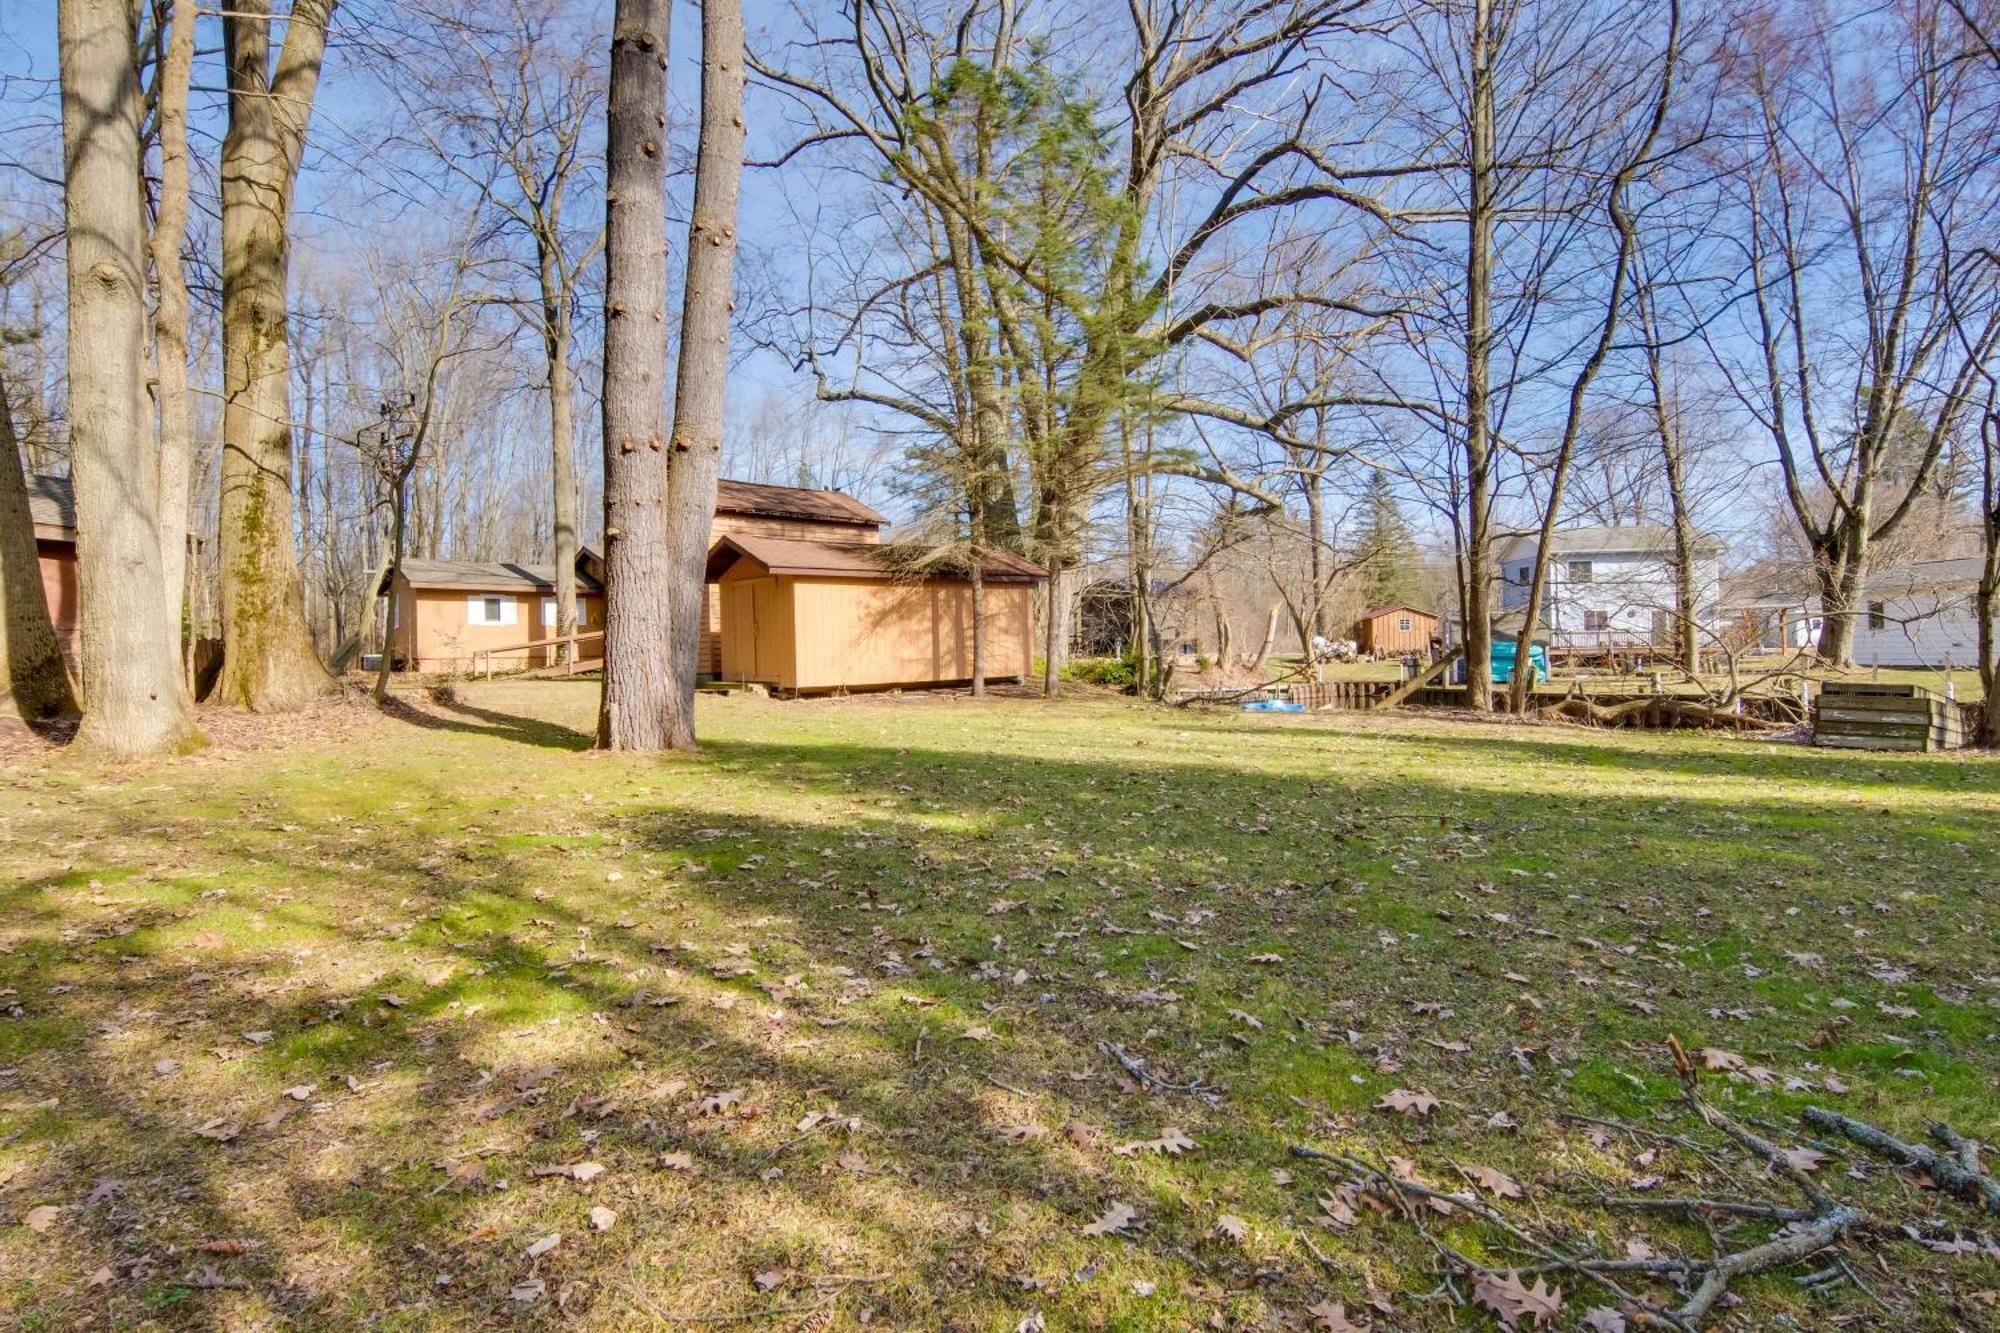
[
  {"x": 1877, "y": 617},
  {"x": 1579, "y": 571},
  {"x": 1596, "y": 620},
  {"x": 1403, "y": 624},
  {"x": 485, "y": 610}
]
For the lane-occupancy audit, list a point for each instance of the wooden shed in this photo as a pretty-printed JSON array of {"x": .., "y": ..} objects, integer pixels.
[
  {"x": 1399, "y": 628},
  {"x": 803, "y": 616}
]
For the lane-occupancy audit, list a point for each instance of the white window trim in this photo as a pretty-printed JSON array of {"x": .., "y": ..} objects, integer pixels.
[{"x": 475, "y": 609}]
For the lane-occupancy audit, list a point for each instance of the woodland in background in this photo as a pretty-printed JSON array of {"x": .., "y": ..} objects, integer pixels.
[{"x": 1259, "y": 314}]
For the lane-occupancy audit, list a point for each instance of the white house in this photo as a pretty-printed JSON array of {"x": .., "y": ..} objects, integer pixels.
[
  {"x": 1611, "y": 587},
  {"x": 1921, "y": 615}
]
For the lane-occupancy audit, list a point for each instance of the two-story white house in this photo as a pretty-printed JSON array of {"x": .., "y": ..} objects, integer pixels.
[
  {"x": 1611, "y": 587},
  {"x": 1921, "y": 615}
]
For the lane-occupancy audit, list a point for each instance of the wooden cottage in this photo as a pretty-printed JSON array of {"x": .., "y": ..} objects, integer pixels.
[
  {"x": 444, "y": 613},
  {"x": 819, "y": 615},
  {"x": 1389, "y": 631}
]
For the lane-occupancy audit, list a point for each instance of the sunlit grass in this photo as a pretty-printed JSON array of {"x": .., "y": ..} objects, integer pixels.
[{"x": 463, "y": 939}]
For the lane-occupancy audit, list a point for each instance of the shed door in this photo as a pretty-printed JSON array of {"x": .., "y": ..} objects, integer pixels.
[{"x": 751, "y": 643}]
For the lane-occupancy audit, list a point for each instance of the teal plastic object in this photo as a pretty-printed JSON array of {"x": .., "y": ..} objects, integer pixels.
[
  {"x": 1273, "y": 706},
  {"x": 1503, "y": 661}
]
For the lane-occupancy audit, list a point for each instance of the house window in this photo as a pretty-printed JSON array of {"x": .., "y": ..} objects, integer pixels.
[
  {"x": 1579, "y": 571},
  {"x": 1876, "y": 617},
  {"x": 548, "y": 613},
  {"x": 486, "y": 610},
  {"x": 1403, "y": 624},
  {"x": 1596, "y": 620}
]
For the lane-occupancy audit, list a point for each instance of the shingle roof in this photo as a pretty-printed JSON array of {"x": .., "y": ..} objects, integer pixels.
[
  {"x": 757, "y": 497},
  {"x": 52, "y": 502},
  {"x": 867, "y": 560},
  {"x": 1921, "y": 574},
  {"x": 1397, "y": 606},
  {"x": 1637, "y": 538},
  {"x": 488, "y": 576}
]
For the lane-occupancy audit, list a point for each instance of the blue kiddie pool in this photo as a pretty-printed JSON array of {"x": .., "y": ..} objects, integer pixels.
[{"x": 1273, "y": 706}]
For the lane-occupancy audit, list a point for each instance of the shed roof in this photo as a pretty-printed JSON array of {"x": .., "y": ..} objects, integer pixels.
[
  {"x": 1624, "y": 539},
  {"x": 858, "y": 560},
  {"x": 1926, "y": 575},
  {"x": 1398, "y": 606},
  {"x": 491, "y": 575},
  {"x": 762, "y": 498},
  {"x": 52, "y": 503}
]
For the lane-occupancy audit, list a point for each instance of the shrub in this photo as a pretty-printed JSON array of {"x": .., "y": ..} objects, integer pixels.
[{"x": 1118, "y": 672}]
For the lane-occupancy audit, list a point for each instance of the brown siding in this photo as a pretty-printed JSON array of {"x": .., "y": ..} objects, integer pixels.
[
  {"x": 1381, "y": 635},
  {"x": 790, "y": 529},
  {"x": 436, "y": 621},
  {"x": 58, "y": 565},
  {"x": 858, "y": 634},
  {"x": 758, "y": 643}
]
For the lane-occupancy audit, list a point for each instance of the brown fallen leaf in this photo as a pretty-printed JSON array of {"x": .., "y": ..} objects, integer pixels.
[
  {"x": 1332, "y": 1317},
  {"x": 221, "y": 1129},
  {"x": 771, "y": 1279},
  {"x": 1409, "y": 1101},
  {"x": 1115, "y": 1220},
  {"x": 581, "y": 1172},
  {"x": 602, "y": 1218},
  {"x": 1173, "y": 1141},
  {"x": 677, "y": 1161},
  {"x": 1713, "y": 1057},
  {"x": 1232, "y": 1226},
  {"x": 226, "y": 1246},
  {"x": 536, "y": 1249},
  {"x": 1804, "y": 1159},
  {"x": 1603, "y": 1319},
  {"x": 1513, "y": 1301},
  {"x": 1495, "y": 1182},
  {"x": 718, "y": 1103},
  {"x": 39, "y": 1220},
  {"x": 1020, "y": 1133}
]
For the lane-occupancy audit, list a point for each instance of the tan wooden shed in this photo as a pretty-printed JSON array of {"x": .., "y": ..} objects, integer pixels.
[
  {"x": 1396, "y": 628},
  {"x": 803, "y": 616}
]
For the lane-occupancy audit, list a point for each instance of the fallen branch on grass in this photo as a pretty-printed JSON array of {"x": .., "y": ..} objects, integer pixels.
[
  {"x": 1950, "y": 1172},
  {"x": 1665, "y": 707},
  {"x": 1146, "y": 1077}
]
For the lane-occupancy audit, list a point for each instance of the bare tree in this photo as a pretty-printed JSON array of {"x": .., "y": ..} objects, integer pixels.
[
  {"x": 701, "y": 382},
  {"x": 173, "y": 25},
  {"x": 269, "y": 662},
  {"x": 502, "y": 86},
  {"x": 636, "y": 710},
  {"x": 131, "y": 670},
  {"x": 1829, "y": 210}
]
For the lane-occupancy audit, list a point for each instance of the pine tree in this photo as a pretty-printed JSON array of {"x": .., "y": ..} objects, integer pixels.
[{"x": 1385, "y": 549}]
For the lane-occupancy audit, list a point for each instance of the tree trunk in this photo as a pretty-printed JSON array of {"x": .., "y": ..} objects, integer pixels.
[
  {"x": 1256, "y": 663},
  {"x": 269, "y": 664},
  {"x": 170, "y": 315},
  {"x": 562, "y": 445},
  {"x": 34, "y": 679},
  {"x": 395, "y": 567},
  {"x": 634, "y": 709},
  {"x": 131, "y": 673},
  {"x": 1840, "y": 570},
  {"x": 1315, "y": 557},
  {"x": 976, "y": 575},
  {"x": 1478, "y": 359},
  {"x": 701, "y": 383}
]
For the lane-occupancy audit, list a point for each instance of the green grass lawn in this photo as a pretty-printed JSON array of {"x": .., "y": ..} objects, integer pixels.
[{"x": 334, "y": 1025}]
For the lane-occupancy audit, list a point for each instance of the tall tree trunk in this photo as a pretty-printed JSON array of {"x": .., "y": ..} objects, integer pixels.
[
  {"x": 562, "y": 443},
  {"x": 976, "y": 575},
  {"x": 269, "y": 664},
  {"x": 1478, "y": 365},
  {"x": 634, "y": 710},
  {"x": 34, "y": 679},
  {"x": 1840, "y": 569},
  {"x": 701, "y": 382},
  {"x": 1315, "y": 558},
  {"x": 131, "y": 673},
  {"x": 170, "y": 315}
]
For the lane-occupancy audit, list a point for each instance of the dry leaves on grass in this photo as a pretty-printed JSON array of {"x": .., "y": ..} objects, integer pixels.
[
  {"x": 1114, "y": 1221},
  {"x": 536, "y": 1249},
  {"x": 1603, "y": 1319},
  {"x": 581, "y": 1172},
  {"x": 1514, "y": 1302},
  {"x": 602, "y": 1218},
  {"x": 677, "y": 1161},
  {"x": 1232, "y": 1226}
]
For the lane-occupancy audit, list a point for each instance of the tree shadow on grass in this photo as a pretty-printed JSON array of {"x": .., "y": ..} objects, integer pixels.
[
  {"x": 906, "y": 904},
  {"x": 457, "y": 715}
]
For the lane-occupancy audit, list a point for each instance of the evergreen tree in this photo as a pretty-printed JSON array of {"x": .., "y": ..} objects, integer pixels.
[{"x": 1385, "y": 549}]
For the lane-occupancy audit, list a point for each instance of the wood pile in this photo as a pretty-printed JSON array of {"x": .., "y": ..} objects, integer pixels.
[{"x": 1886, "y": 715}]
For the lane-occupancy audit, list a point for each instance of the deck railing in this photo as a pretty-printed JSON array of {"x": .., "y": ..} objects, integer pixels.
[{"x": 482, "y": 661}]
